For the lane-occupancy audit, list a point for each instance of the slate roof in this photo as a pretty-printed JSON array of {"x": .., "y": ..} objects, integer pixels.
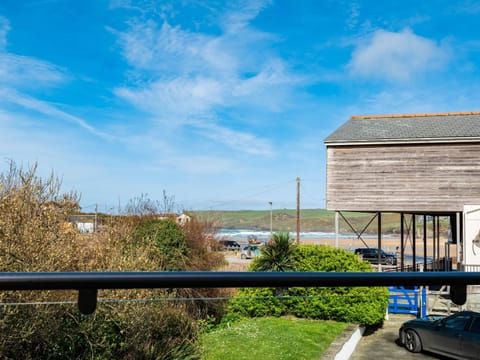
[{"x": 408, "y": 128}]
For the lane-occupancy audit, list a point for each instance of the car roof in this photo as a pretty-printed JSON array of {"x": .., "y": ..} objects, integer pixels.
[{"x": 469, "y": 312}]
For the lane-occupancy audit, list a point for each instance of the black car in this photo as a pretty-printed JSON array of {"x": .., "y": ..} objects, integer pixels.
[
  {"x": 371, "y": 255},
  {"x": 229, "y": 245},
  {"x": 456, "y": 336}
]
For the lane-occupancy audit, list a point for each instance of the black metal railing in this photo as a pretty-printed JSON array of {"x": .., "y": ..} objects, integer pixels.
[{"x": 88, "y": 283}]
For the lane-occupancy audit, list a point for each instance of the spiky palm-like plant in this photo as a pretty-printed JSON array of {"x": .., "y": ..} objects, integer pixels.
[{"x": 276, "y": 255}]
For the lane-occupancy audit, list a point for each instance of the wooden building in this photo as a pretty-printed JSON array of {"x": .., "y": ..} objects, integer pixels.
[{"x": 415, "y": 164}]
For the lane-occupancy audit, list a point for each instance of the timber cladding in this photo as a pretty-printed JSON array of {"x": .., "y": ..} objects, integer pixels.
[{"x": 434, "y": 177}]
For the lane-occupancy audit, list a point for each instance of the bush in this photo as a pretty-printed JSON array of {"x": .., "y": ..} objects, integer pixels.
[
  {"x": 167, "y": 238},
  {"x": 363, "y": 305},
  {"x": 36, "y": 235},
  {"x": 58, "y": 332},
  {"x": 158, "y": 331},
  {"x": 257, "y": 302}
]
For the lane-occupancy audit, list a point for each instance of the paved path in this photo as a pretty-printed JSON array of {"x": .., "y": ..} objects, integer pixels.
[{"x": 381, "y": 344}]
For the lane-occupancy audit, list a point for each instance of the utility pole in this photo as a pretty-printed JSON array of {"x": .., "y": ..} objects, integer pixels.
[{"x": 298, "y": 210}]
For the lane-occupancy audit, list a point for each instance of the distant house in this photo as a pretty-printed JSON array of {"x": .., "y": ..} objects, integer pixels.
[
  {"x": 85, "y": 223},
  {"x": 183, "y": 219},
  {"x": 85, "y": 227}
]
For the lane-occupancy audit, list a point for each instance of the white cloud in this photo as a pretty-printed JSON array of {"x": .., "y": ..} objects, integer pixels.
[
  {"x": 27, "y": 72},
  {"x": 149, "y": 47},
  {"x": 396, "y": 56},
  {"x": 4, "y": 28},
  {"x": 237, "y": 20},
  {"x": 184, "y": 78},
  {"x": 23, "y": 71},
  {"x": 18, "y": 74},
  {"x": 179, "y": 97},
  {"x": 240, "y": 141},
  {"x": 439, "y": 96},
  {"x": 198, "y": 164},
  {"x": 467, "y": 7},
  {"x": 353, "y": 9},
  {"x": 27, "y": 102}
]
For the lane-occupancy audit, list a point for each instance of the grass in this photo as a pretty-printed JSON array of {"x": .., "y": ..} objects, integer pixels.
[{"x": 271, "y": 338}]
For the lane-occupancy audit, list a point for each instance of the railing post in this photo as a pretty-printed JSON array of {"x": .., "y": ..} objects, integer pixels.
[
  {"x": 458, "y": 294},
  {"x": 423, "y": 311},
  {"x": 87, "y": 301}
]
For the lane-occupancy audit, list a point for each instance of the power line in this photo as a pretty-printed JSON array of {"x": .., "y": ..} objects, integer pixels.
[{"x": 268, "y": 188}]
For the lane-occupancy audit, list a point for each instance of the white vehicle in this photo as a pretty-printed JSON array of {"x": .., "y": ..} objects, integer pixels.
[{"x": 250, "y": 252}]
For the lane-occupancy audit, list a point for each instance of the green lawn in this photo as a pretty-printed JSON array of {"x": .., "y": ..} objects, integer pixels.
[{"x": 271, "y": 338}]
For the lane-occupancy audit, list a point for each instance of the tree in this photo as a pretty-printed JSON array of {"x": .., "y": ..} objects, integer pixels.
[{"x": 143, "y": 205}]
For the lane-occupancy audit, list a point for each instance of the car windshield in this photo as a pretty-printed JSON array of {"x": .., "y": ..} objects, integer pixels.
[{"x": 456, "y": 323}]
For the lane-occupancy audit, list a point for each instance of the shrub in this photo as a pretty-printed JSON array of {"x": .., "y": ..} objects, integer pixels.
[
  {"x": 36, "y": 235},
  {"x": 364, "y": 305},
  {"x": 167, "y": 238},
  {"x": 158, "y": 331},
  {"x": 257, "y": 302}
]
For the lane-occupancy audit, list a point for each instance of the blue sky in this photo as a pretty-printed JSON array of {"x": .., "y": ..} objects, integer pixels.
[{"x": 219, "y": 104}]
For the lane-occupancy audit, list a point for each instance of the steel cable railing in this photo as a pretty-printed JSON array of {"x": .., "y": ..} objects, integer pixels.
[{"x": 88, "y": 283}]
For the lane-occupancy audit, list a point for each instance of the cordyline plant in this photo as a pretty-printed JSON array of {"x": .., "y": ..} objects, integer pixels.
[{"x": 276, "y": 255}]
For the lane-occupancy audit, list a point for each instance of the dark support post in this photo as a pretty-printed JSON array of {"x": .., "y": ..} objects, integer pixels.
[
  {"x": 458, "y": 294},
  {"x": 434, "y": 242},
  {"x": 459, "y": 239},
  {"x": 424, "y": 242},
  {"x": 414, "y": 237},
  {"x": 379, "y": 232},
  {"x": 438, "y": 238},
  {"x": 87, "y": 301},
  {"x": 402, "y": 219}
]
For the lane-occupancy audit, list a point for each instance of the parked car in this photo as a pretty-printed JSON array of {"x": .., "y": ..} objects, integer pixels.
[
  {"x": 250, "y": 251},
  {"x": 229, "y": 245},
  {"x": 456, "y": 336},
  {"x": 371, "y": 255}
]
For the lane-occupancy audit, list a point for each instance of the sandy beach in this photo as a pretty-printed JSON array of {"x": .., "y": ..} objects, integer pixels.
[{"x": 388, "y": 244}]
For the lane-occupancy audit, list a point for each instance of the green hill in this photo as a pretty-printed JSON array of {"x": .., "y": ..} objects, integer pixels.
[{"x": 286, "y": 219}]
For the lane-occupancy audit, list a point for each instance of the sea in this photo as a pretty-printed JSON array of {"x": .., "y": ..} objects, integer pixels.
[{"x": 244, "y": 234}]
